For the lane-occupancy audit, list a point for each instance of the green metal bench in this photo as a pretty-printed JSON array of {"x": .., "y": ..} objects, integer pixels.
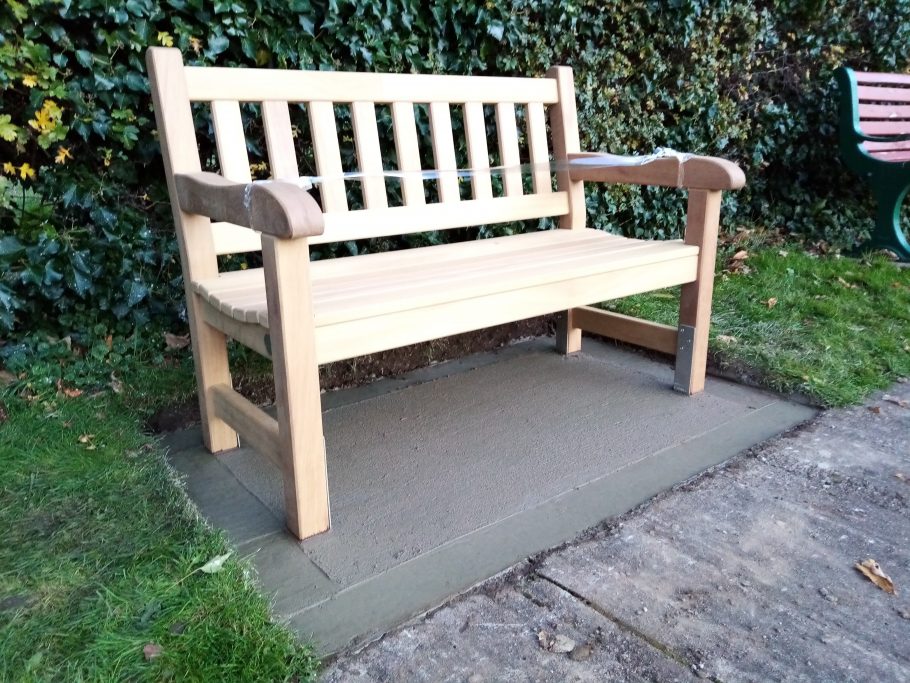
[{"x": 875, "y": 143}]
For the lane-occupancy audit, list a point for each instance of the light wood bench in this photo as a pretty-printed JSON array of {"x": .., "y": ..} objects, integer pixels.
[
  {"x": 875, "y": 144},
  {"x": 301, "y": 313}
]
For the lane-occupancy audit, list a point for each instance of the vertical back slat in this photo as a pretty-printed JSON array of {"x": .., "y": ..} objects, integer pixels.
[
  {"x": 564, "y": 125},
  {"x": 537, "y": 147},
  {"x": 231, "y": 141},
  {"x": 478, "y": 154},
  {"x": 369, "y": 156},
  {"x": 328, "y": 156},
  {"x": 444, "y": 151},
  {"x": 279, "y": 139},
  {"x": 408, "y": 152},
  {"x": 507, "y": 133}
]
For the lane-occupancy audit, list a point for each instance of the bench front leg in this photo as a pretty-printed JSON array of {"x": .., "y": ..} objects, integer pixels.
[
  {"x": 293, "y": 342},
  {"x": 702, "y": 221}
]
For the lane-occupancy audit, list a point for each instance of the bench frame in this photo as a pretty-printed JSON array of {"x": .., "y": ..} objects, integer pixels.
[
  {"x": 288, "y": 219},
  {"x": 875, "y": 144}
]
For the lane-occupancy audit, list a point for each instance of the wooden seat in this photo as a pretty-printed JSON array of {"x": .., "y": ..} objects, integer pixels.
[
  {"x": 300, "y": 313},
  {"x": 875, "y": 143}
]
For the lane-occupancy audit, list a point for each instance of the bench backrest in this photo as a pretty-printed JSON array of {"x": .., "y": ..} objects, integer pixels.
[
  {"x": 324, "y": 95},
  {"x": 880, "y": 106}
]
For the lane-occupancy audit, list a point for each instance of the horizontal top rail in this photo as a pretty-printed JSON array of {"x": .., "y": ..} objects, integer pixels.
[{"x": 205, "y": 84}]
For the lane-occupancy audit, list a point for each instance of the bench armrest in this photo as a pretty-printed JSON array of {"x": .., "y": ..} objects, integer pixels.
[
  {"x": 690, "y": 172},
  {"x": 275, "y": 208}
]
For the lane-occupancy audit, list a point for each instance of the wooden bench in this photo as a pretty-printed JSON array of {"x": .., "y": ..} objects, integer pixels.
[
  {"x": 875, "y": 143},
  {"x": 301, "y": 313}
]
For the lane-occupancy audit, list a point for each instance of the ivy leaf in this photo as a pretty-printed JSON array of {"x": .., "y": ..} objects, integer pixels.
[
  {"x": 10, "y": 246},
  {"x": 8, "y": 130},
  {"x": 217, "y": 45}
]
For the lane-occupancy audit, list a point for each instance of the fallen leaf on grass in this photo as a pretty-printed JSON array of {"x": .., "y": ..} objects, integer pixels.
[
  {"x": 69, "y": 392},
  {"x": 116, "y": 385},
  {"x": 7, "y": 378},
  {"x": 86, "y": 440},
  {"x": 151, "y": 651},
  {"x": 772, "y": 302},
  {"x": 176, "y": 341},
  {"x": 903, "y": 403},
  {"x": 555, "y": 642},
  {"x": 846, "y": 284},
  {"x": 741, "y": 255},
  {"x": 726, "y": 339},
  {"x": 872, "y": 571},
  {"x": 875, "y": 409},
  {"x": 216, "y": 564}
]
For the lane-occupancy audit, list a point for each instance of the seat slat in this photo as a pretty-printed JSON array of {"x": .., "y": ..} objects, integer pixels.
[
  {"x": 205, "y": 84},
  {"x": 871, "y": 93},
  {"x": 402, "y": 220},
  {"x": 328, "y": 156},
  {"x": 537, "y": 146},
  {"x": 408, "y": 152},
  {"x": 434, "y": 276},
  {"x": 478, "y": 153},
  {"x": 507, "y": 133},
  {"x": 369, "y": 155},
  {"x": 444, "y": 151}
]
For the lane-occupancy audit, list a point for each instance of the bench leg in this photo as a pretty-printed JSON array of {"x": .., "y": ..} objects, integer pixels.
[
  {"x": 702, "y": 223},
  {"x": 888, "y": 233},
  {"x": 568, "y": 336},
  {"x": 293, "y": 342},
  {"x": 210, "y": 360}
]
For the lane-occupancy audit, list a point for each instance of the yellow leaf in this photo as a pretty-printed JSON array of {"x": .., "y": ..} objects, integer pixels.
[
  {"x": 772, "y": 302},
  {"x": 29, "y": 81},
  {"x": 165, "y": 39},
  {"x": 26, "y": 172},
  {"x": 8, "y": 168},
  {"x": 63, "y": 153},
  {"x": 196, "y": 44}
]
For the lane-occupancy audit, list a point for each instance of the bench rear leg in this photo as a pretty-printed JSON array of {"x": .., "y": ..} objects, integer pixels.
[
  {"x": 568, "y": 337},
  {"x": 702, "y": 222},
  {"x": 210, "y": 360},
  {"x": 888, "y": 234},
  {"x": 293, "y": 342}
]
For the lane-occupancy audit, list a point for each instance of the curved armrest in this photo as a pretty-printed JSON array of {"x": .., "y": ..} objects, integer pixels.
[
  {"x": 273, "y": 207},
  {"x": 690, "y": 172}
]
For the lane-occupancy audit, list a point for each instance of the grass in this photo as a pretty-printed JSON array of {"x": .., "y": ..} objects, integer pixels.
[
  {"x": 99, "y": 551},
  {"x": 835, "y": 329}
]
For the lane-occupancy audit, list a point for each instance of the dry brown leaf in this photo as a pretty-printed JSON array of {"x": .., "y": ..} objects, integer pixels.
[
  {"x": 7, "y": 378},
  {"x": 772, "y": 302},
  {"x": 151, "y": 650},
  {"x": 903, "y": 477},
  {"x": 849, "y": 285},
  {"x": 903, "y": 403},
  {"x": 741, "y": 255},
  {"x": 875, "y": 409},
  {"x": 726, "y": 339},
  {"x": 109, "y": 341},
  {"x": 116, "y": 385},
  {"x": 873, "y": 571},
  {"x": 176, "y": 341},
  {"x": 555, "y": 642}
]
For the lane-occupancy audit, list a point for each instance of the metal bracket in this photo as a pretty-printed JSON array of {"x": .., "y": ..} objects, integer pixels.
[{"x": 685, "y": 340}]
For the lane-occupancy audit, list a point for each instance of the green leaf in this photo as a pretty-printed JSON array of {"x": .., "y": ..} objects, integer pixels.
[{"x": 8, "y": 130}]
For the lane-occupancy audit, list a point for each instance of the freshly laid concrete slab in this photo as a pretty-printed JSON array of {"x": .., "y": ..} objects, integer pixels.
[
  {"x": 744, "y": 574},
  {"x": 446, "y": 477}
]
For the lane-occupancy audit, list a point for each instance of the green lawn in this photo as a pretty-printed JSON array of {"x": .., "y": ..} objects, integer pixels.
[
  {"x": 835, "y": 329},
  {"x": 100, "y": 551}
]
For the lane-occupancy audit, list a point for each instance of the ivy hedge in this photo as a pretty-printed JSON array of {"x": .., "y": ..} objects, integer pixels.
[{"x": 87, "y": 240}]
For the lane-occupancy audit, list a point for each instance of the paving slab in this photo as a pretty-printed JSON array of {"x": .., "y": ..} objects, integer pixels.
[
  {"x": 450, "y": 475},
  {"x": 743, "y": 574}
]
